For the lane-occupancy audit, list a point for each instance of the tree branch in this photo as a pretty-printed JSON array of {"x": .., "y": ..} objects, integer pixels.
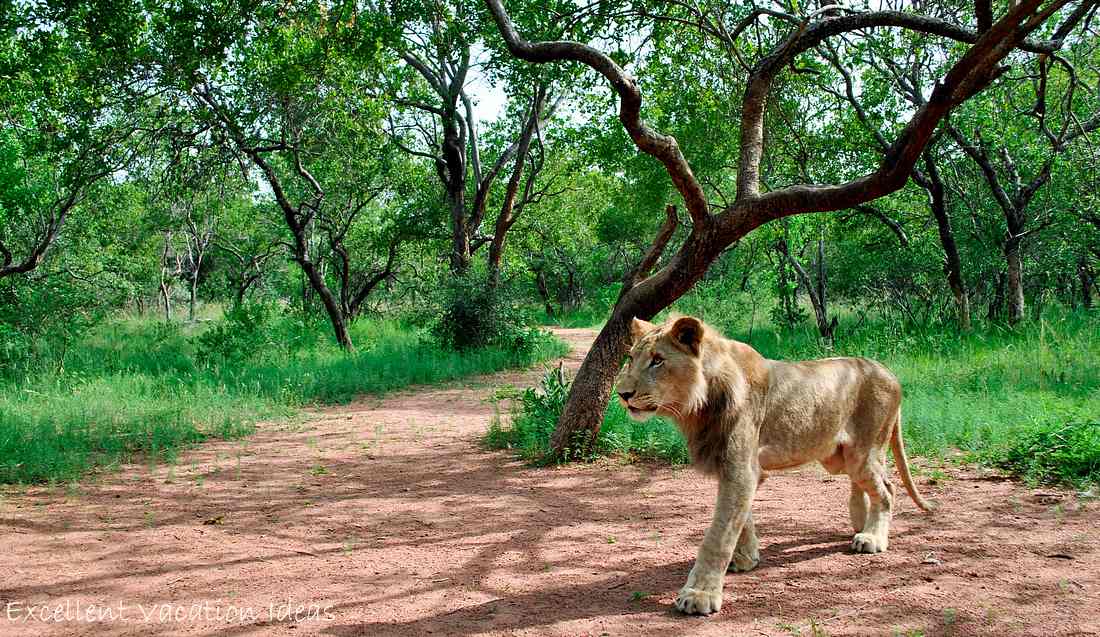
[
  {"x": 970, "y": 74},
  {"x": 641, "y": 270},
  {"x": 663, "y": 147}
]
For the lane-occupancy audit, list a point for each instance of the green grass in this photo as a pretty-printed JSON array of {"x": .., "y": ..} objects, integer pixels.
[
  {"x": 141, "y": 390},
  {"x": 535, "y": 412},
  {"x": 1026, "y": 399}
]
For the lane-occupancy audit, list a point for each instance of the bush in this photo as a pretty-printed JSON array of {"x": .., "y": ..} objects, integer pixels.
[
  {"x": 537, "y": 411},
  {"x": 241, "y": 335},
  {"x": 1053, "y": 454},
  {"x": 474, "y": 314}
]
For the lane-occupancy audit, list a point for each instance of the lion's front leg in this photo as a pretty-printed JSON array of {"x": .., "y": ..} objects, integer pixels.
[{"x": 702, "y": 594}]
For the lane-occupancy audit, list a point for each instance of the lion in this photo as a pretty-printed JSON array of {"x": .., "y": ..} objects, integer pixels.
[{"x": 743, "y": 414}]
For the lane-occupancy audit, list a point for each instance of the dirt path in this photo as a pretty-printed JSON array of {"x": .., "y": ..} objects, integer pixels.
[{"x": 385, "y": 518}]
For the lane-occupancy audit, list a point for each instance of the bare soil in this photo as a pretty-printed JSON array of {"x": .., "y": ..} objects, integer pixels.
[{"x": 385, "y": 517}]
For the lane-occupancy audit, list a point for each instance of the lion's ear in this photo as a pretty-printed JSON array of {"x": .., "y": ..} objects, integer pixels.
[
  {"x": 639, "y": 328},
  {"x": 688, "y": 333}
]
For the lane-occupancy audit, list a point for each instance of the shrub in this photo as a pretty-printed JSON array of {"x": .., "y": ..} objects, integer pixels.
[
  {"x": 1053, "y": 453},
  {"x": 241, "y": 335},
  {"x": 474, "y": 314},
  {"x": 536, "y": 413}
]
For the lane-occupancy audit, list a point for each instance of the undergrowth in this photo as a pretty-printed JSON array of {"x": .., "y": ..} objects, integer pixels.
[
  {"x": 1026, "y": 399},
  {"x": 142, "y": 389},
  {"x": 535, "y": 411}
]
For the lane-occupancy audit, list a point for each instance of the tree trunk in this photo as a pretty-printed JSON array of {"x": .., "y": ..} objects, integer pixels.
[
  {"x": 997, "y": 301},
  {"x": 166, "y": 296},
  {"x": 818, "y": 300},
  {"x": 1014, "y": 281},
  {"x": 580, "y": 421},
  {"x": 787, "y": 299},
  {"x": 509, "y": 209},
  {"x": 241, "y": 290},
  {"x": 952, "y": 265},
  {"x": 451, "y": 169},
  {"x": 1088, "y": 281},
  {"x": 332, "y": 306},
  {"x": 460, "y": 238},
  {"x": 193, "y": 295},
  {"x": 962, "y": 307},
  {"x": 544, "y": 292}
]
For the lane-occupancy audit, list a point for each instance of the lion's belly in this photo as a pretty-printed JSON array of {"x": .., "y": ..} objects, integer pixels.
[
  {"x": 786, "y": 452},
  {"x": 808, "y": 414}
]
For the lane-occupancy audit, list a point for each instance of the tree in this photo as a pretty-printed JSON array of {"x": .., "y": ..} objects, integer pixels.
[
  {"x": 815, "y": 286},
  {"x": 1013, "y": 191},
  {"x": 643, "y": 297},
  {"x": 438, "y": 48},
  {"x": 75, "y": 111},
  {"x": 171, "y": 268},
  {"x": 295, "y": 104},
  {"x": 906, "y": 76}
]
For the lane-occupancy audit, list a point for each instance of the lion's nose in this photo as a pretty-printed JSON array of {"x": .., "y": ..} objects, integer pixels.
[{"x": 625, "y": 395}]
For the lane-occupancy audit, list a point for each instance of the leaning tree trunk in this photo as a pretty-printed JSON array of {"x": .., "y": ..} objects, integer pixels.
[
  {"x": 332, "y": 306},
  {"x": 582, "y": 416},
  {"x": 580, "y": 421},
  {"x": 166, "y": 296}
]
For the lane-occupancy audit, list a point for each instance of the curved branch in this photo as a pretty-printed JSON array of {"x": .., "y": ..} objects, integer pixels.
[
  {"x": 892, "y": 224},
  {"x": 969, "y": 75},
  {"x": 650, "y": 141},
  {"x": 972, "y": 73},
  {"x": 641, "y": 270}
]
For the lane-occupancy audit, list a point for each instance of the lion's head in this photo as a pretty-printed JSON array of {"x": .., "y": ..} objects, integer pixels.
[{"x": 663, "y": 374}]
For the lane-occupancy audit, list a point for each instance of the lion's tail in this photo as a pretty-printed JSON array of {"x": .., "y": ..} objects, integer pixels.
[{"x": 902, "y": 462}]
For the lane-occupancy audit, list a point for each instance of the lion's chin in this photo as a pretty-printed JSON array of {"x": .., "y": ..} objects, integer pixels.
[{"x": 641, "y": 415}]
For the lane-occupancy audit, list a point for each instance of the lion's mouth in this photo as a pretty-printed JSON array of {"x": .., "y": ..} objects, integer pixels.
[{"x": 638, "y": 412}]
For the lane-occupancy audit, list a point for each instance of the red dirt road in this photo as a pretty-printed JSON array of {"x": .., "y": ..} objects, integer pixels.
[{"x": 385, "y": 518}]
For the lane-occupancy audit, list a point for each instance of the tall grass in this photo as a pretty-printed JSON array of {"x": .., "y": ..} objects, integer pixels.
[
  {"x": 138, "y": 388},
  {"x": 1000, "y": 395},
  {"x": 535, "y": 412}
]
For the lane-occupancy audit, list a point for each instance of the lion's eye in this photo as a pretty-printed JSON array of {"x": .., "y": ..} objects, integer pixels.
[{"x": 656, "y": 361}]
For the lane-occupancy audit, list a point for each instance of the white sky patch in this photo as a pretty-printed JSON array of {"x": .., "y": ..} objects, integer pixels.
[{"x": 489, "y": 100}]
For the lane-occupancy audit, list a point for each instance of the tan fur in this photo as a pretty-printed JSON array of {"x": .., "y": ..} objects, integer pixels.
[{"x": 742, "y": 415}]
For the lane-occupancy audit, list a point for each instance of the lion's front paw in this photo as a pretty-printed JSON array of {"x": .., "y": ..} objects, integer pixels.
[
  {"x": 742, "y": 562},
  {"x": 868, "y": 543},
  {"x": 697, "y": 601}
]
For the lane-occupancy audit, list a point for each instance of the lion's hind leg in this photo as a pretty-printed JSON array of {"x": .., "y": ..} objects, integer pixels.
[
  {"x": 747, "y": 554},
  {"x": 869, "y": 476}
]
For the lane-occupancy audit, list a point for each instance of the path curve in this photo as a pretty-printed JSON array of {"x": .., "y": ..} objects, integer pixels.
[{"x": 384, "y": 517}]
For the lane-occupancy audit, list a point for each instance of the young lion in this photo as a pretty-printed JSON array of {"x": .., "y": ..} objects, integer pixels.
[{"x": 743, "y": 414}]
